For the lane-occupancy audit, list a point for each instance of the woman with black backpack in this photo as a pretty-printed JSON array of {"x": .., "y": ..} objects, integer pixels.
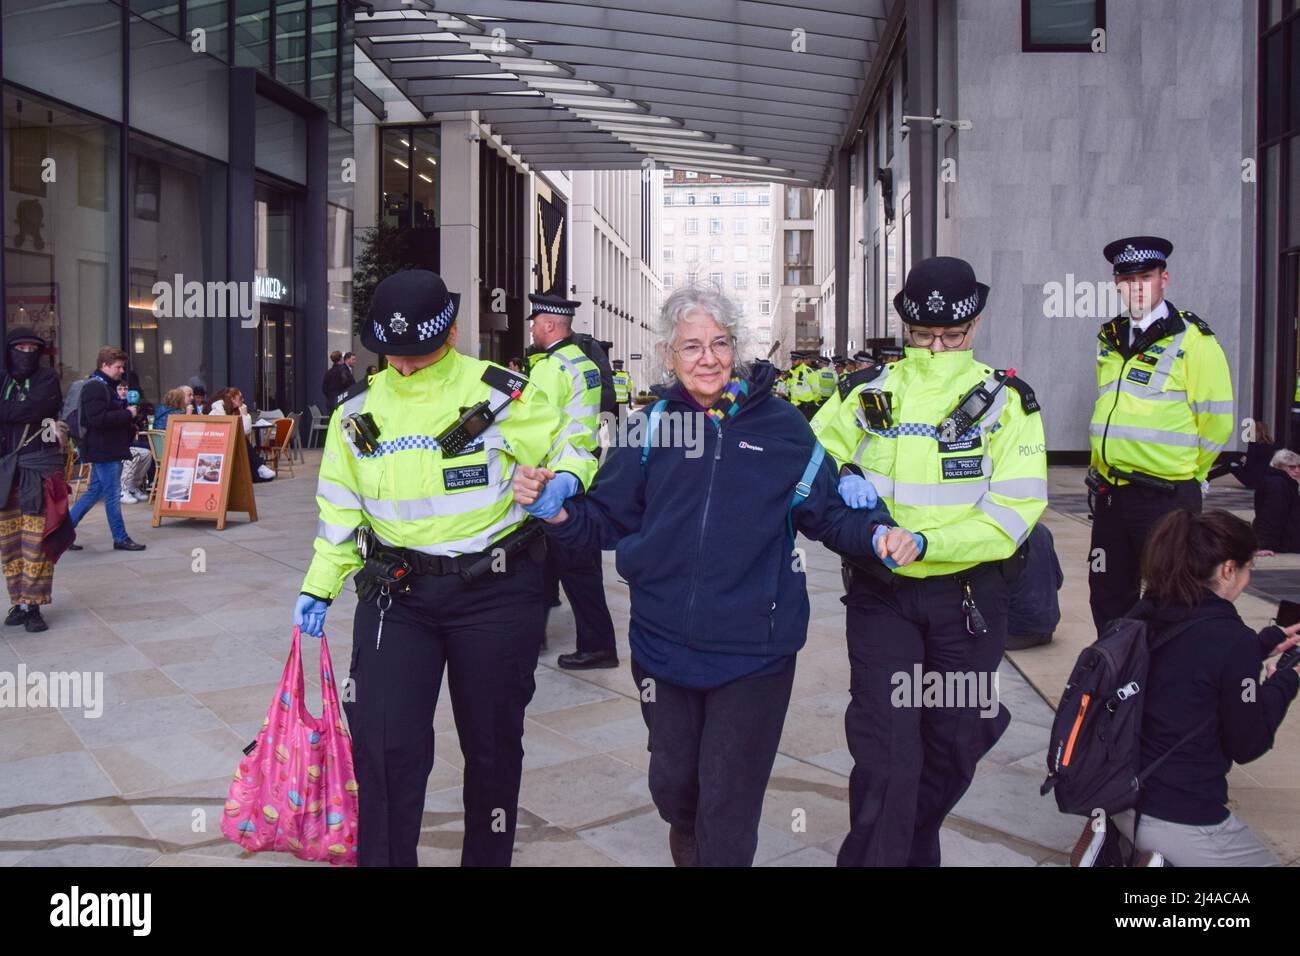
[{"x": 1206, "y": 683}]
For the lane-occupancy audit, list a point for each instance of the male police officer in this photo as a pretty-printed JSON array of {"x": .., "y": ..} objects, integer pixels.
[
  {"x": 563, "y": 373},
  {"x": 956, "y": 452},
  {"x": 1163, "y": 412},
  {"x": 802, "y": 394},
  {"x": 415, "y": 485},
  {"x": 827, "y": 381},
  {"x": 624, "y": 388}
]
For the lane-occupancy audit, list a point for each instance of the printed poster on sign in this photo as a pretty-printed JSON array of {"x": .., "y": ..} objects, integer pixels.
[
  {"x": 207, "y": 469},
  {"x": 179, "y": 482}
]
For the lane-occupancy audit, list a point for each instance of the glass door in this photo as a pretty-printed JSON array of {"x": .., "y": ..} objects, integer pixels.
[{"x": 274, "y": 277}]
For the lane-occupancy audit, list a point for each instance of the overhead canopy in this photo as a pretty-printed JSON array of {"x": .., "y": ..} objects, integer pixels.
[{"x": 740, "y": 87}]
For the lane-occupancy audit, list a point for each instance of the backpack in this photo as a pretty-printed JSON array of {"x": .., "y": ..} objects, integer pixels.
[
  {"x": 70, "y": 414},
  {"x": 1094, "y": 755},
  {"x": 592, "y": 349}
]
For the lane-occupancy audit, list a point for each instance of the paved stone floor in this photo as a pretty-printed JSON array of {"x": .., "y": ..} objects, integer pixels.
[{"x": 192, "y": 635}]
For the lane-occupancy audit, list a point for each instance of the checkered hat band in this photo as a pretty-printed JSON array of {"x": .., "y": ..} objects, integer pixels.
[
  {"x": 910, "y": 307},
  {"x": 556, "y": 309},
  {"x": 1139, "y": 255},
  {"x": 917, "y": 430},
  {"x": 436, "y": 325},
  {"x": 965, "y": 307},
  {"x": 379, "y": 331}
]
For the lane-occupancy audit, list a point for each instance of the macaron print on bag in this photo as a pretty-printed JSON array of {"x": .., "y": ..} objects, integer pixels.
[{"x": 296, "y": 790}]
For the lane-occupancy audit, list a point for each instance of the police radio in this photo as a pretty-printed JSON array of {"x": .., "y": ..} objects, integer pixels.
[
  {"x": 973, "y": 406},
  {"x": 473, "y": 421}
]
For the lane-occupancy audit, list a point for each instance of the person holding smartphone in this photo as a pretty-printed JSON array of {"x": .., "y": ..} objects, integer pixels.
[{"x": 1206, "y": 682}]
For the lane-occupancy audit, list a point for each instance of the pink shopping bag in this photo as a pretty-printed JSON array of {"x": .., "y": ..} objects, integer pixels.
[{"x": 296, "y": 792}]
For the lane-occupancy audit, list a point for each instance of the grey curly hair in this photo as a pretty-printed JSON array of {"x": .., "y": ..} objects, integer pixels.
[{"x": 713, "y": 301}]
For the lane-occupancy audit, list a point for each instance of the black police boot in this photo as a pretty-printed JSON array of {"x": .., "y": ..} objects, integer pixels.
[
  {"x": 17, "y": 615},
  {"x": 587, "y": 660},
  {"x": 36, "y": 623},
  {"x": 126, "y": 544}
]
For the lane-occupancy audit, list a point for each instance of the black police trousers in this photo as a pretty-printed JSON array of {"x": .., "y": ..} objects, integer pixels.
[
  {"x": 486, "y": 635},
  {"x": 583, "y": 577},
  {"x": 1121, "y": 523},
  {"x": 914, "y": 757},
  {"x": 711, "y": 754}
]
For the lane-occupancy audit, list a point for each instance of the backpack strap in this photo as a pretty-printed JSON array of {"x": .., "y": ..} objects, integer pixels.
[
  {"x": 652, "y": 425},
  {"x": 803, "y": 488},
  {"x": 1162, "y": 638}
]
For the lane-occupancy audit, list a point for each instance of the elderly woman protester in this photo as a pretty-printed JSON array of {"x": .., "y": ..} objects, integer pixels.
[
  {"x": 1277, "y": 504},
  {"x": 703, "y": 522},
  {"x": 34, "y": 530}
]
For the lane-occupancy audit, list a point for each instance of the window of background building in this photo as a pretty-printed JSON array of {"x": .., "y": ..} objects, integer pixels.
[
  {"x": 253, "y": 33},
  {"x": 325, "y": 54},
  {"x": 716, "y": 199},
  {"x": 692, "y": 278},
  {"x": 668, "y": 199},
  {"x": 690, "y": 199},
  {"x": 715, "y": 278},
  {"x": 740, "y": 227},
  {"x": 1060, "y": 26},
  {"x": 715, "y": 253},
  {"x": 764, "y": 306},
  {"x": 765, "y": 280},
  {"x": 692, "y": 174},
  {"x": 409, "y": 182},
  {"x": 62, "y": 249},
  {"x": 765, "y": 226},
  {"x": 162, "y": 13},
  {"x": 741, "y": 198},
  {"x": 741, "y": 280},
  {"x": 798, "y": 257},
  {"x": 692, "y": 227},
  {"x": 765, "y": 199},
  {"x": 668, "y": 280},
  {"x": 84, "y": 39},
  {"x": 291, "y": 43},
  {"x": 177, "y": 226},
  {"x": 668, "y": 255},
  {"x": 798, "y": 202},
  {"x": 715, "y": 227}
]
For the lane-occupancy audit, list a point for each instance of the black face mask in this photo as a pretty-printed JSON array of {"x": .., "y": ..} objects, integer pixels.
[{"x": 23, "y": 364}]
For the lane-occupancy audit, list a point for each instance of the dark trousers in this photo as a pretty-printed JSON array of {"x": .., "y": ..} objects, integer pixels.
[
  {"x": 487, "y": 636},
  {"x": 583, "y": 577},
  {"x": 711, "y": 754},
  {"x": 1121, "y": 523},
  {"x": 911, "y": 764}
]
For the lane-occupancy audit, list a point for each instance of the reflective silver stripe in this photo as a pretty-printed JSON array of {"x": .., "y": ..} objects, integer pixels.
[
  {"x": 1212, "y": 408},
  {"x": 1141, "y": 391},
  {"x": 336, "y": 494},
  {"x": 928, "y": 496},
  {"x": 1020, "y": 488},
  {"x": 479, "y": 542},
  {"x": 563, "y": 440},
  {"x": 1210, "y": 445},
  {"x": 1007, "y": 518},
  {"x": 883, "y": 484},
  {"x": 1165, "y": 365},
  {"x": 862, "y": 448},
  {"x": 1132, "y": 433},
  {"x": 354, "y": 404},
  {"x": 437, "y": 506},
  {"x": 333, "y": 533}
]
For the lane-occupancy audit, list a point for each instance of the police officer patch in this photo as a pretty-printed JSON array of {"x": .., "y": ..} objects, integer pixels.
[
  {"x": 1139, "y": 375},
  {"x": 467, "y": 476},
  {"x": 592, "y": 377},
  {"x": 965, "y": 444},
  {"x": 954, "y": 468}
]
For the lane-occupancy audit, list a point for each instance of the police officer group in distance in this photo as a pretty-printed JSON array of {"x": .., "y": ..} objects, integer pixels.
[{"x": 926, "y": 475}]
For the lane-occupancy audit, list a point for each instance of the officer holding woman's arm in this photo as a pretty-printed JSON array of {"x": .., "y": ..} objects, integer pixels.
[
  {"x": 415, "y": 490},
  {"x": 955, "y": 450},
  {"x": 704, "y": 534}
]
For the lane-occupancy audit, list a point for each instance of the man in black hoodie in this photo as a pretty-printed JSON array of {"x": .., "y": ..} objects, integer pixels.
[
  {"x": 109, "y": 428},
  {"x": 30, "y": 399}
]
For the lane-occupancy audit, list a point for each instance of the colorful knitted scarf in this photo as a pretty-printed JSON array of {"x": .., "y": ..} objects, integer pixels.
[{"x": 729, "y": 401}]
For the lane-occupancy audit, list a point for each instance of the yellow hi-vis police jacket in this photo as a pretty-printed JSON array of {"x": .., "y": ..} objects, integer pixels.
[
  {"x": 571, "y": 381},
  {"x": 623, "y": 387},
  {"x": 827, "y": 382},
  {"x": 974, "y": 498},
  {"x": 407, "y": 491},
  {"x": 801, "y": 390},
  {"x": 1166, "y": 409}
]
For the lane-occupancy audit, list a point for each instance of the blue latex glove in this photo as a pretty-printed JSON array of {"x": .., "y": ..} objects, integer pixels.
[
  {"x": 857, "y": 492},
  {"x": 882, "y": 530},
  {"x": 309, "y": 614},
  {"x": 551, "y": 500}
]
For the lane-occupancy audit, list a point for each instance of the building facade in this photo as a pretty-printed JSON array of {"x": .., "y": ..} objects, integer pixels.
[
  {"x": 718, "y": 231},
  {"x": 178, "y": 181}
]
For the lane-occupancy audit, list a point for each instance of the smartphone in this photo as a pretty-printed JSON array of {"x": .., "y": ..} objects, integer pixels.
[{"x": 1288, "y": 613}]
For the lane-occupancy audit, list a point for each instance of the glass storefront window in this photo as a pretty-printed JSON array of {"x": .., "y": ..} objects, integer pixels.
[
  {"x": 273, "y": 237},
  {"x": 425, "y": 153},
  {"x": 291, "y": 43},
  {"x": 253, "y": 33},
  {"x": 395, "y": 177},
  {"x": 210, "y": 17},
  {"x": 281, "y": 147},
  {"x": 176, "y": 94},
  {"x": 163, "y": 13},
  {"x": 324, "y": 55},
  {"x": 61, "y": 248},
  {"x": 177, "y": 236},
  {"x": 338, "y": 266},
  {"x": 84, "y": 39}
]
